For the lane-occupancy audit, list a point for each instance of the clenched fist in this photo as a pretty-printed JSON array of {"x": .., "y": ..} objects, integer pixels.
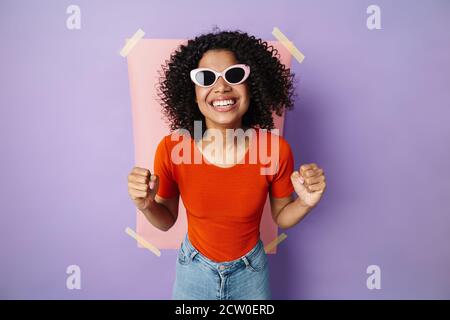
[
  {"x": 142, "y": 187},
  {"x": 309, "y": 183}
]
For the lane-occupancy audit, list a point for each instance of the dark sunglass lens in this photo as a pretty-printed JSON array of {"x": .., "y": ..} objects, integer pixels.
[
  {"x": 205, "y": 78},
  {"x": 235, "y": 75}
]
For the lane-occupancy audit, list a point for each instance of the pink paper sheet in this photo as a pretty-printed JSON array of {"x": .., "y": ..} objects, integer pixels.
[{"x": 144, "y": 62}]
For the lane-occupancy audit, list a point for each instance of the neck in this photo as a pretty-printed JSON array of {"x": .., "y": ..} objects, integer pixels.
[{"x": 223, "y": 131}]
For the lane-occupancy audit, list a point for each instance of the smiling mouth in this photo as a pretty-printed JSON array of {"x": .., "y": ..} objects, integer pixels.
[{"x": 224, "y": 105}]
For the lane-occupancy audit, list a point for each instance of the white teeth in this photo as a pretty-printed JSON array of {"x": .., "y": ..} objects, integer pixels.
[{"x": 223, "y": 102}]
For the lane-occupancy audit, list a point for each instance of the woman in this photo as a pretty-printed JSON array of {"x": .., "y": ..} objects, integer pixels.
[{"x": 226, "y": 82}]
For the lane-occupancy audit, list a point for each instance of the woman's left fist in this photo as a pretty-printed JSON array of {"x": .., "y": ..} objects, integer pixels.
[{"x": 309, "y": 183}]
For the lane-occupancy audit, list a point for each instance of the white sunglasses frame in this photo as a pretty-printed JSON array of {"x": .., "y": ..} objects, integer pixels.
[{"x": 221, "y": 74}]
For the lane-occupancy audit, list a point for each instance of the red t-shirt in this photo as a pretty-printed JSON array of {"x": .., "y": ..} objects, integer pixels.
[{"x": 224, "y": 205}]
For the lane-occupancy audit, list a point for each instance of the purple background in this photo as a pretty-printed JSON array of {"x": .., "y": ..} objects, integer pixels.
[{"x": 372, "y": 110}]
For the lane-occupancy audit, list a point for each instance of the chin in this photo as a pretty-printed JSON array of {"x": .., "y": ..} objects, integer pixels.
[{"x": 228, "y": 117}]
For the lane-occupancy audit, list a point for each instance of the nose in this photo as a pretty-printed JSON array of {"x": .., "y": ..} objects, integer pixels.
[{"x": 221, "y": 85}]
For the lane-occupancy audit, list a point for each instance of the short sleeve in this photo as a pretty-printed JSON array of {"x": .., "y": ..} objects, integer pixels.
[
  {"x": 281, "y": 185},
  {"x": 168, "y": 187}
]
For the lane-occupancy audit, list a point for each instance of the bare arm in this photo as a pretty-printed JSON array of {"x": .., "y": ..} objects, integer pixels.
[
  {"x": 142, "y": 187},
  {"x": 287, "y": 212},
  {"x": 162, "y": 213}
]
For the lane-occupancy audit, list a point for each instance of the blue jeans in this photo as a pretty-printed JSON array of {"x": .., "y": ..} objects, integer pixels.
[{"x": 199, "y": 278}]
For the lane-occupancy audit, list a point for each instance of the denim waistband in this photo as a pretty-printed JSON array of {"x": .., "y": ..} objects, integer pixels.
[{"x": 191, "y": 251}]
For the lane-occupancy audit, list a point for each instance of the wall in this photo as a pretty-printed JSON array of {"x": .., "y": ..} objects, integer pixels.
[{"x": 372, "y": 110}]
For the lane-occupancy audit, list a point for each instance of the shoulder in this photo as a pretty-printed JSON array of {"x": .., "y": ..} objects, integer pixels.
[
  {"x": 169, "y": 141},
  {"x": 272, "y": 139}
]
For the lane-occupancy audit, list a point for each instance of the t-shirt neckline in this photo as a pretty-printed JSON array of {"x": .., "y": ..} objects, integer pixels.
[{"x": 244, "y": 158}]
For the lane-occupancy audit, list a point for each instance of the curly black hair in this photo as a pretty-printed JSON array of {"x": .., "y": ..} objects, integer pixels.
[{"x": 270, "y": 83}]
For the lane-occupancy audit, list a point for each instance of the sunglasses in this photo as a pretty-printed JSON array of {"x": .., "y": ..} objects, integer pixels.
[{"x": 206, "y": 77}]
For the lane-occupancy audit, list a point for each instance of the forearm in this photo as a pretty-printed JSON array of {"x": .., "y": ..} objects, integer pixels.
[
  {"x": 292, "y": 214},
  {"x": 159, "y": 216}
]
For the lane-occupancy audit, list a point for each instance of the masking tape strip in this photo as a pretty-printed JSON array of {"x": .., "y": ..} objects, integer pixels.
[
  {"x": 288, "y": 44},
  {"x": 132, "y": 42},
  {"x": 142, "y": 241},
  {"x": 275, "y": 242}
]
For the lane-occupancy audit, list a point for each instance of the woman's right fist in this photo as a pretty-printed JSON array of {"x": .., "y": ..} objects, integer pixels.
[{"x": 142, "y": 187}]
